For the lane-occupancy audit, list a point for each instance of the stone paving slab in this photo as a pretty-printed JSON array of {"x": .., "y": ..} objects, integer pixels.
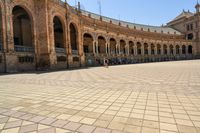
[{"x": 142, "y": 98}]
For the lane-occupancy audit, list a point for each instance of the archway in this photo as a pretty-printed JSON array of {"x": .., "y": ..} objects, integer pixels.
[
  {"x": 171, "y": 49},
  {"x": 177, "y": 49},
  {"x": 131, "y": 48},
  {"x": 146, "y": 49},
  {"x": 122, "y": 47},
  {"x": 165, "y": 49},
  {"x": 22, "y": 29},
  {"x": 183, "y": 49},
  {"x": 73, "y": 38},
  {"x": 87, "y": 43},
  {"x": 139, "y": 48},
  {"x": 58, "y": 33},
  {"x": 101, "y": 45},
  {"x": 152, "y": 49},
  {"x": 113, "y": 44},
  {"x": 158, "y": 49},
  {"x": 190, "y": 49}
]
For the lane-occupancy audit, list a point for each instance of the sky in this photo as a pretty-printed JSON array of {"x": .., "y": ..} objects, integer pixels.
[{"x": 149, "y": 12}]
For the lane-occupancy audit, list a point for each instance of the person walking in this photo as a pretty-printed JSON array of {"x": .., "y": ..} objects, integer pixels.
[{"x": 106, "y": 62}]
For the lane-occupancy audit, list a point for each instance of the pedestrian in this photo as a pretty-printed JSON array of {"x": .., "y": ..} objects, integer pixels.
[{"x": 106, "y": 62}]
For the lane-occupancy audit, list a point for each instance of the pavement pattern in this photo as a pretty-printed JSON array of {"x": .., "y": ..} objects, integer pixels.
[{"x": 141, "y": 98}]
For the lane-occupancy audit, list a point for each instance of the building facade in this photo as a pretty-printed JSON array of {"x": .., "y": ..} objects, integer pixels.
[{"x": 50, "y": 34}]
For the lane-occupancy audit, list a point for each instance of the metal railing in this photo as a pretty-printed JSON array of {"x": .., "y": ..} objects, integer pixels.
[
  {"x": 60, "y": 50},
  {"x": 24, "y": 49},
  {"x": 74, "y": 52}
]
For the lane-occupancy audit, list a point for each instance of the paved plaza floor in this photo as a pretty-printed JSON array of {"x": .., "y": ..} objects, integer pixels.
[{"x": 141, "y": 98}]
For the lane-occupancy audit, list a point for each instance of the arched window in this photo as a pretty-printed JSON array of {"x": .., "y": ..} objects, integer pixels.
[
  {"x": 22, "y": 27},
  {"x": 158, "y": 49},
  {"x": 139, "y": 48},
  {"x": 73, "y": 37},
  {"x": 165, "y": 49},
  {"x": 101, "y": 45},
  {"x": 113, "y": 44},
  {"x": 183, "y": 49},
  {"x": 177, "y": 49},
  {"x": 190, "y": 49},
  {"x": 146, "y": 49},
  {"x": 152, "y": 49},
  {"x": 131, "y": 48},
  {"x": 171, "y": 49},
  {"x": 58, "y": 33},
  {"x": 123, "y": 46},
  {"x": 190, "y": 36},
  {"x": 87, "y": 43}
]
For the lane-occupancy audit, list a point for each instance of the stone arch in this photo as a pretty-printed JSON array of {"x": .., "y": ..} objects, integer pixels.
[
  {"x": 122, "y": 46},
  {"x": 190, "y": 49},
  {"x": 158, "y": 49},
  {"x": 88, "y": 43},
  {"x": 171, "y": 49},
  {"x": 73, "y": 37},
  {"x": 139, "y": 48},
  {"x": 22, "y": 24},
  {"x": 152, "y": 49},
  {"x": 165, "y": 51},
  {"x": 183, "y": 49},
  {"x": 177, "y": 49},
  {"x": 131, "y": 47},
  {"x": 146, "y": 51},
  {"x": 101, "y": 44},
  {"x": 58, "y": 32},
  {"x": 113, "y": 44}
]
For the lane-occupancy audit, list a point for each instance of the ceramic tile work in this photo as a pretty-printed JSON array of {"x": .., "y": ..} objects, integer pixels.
[{"x": 142, "y": 98}]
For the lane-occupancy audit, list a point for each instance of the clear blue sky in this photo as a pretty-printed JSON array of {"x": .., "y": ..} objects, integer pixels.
[{"x": 150, "y": 12}]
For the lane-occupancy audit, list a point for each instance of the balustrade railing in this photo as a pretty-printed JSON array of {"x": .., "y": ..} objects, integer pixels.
[
  {"x": 60, "y": 50},
  {"x": 24, "y": 49},
  {"x": 74, "y": 52},
  {"x": 89, "y": 54}
]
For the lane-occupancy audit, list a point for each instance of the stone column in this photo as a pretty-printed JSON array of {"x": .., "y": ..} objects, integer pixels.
[
  {"x": 156, "y": 50},
  {"x": 128, "y": 49},
  {"x": 180, "y": 50},
  {"x": 43, "y": 34},
  {"x": 7, "y": 17},
  {"x": 135, "y": 51},
  {"x": 106, "y": 48},
  {"x": 174, "y": 50},
  {"x": 142, "y": 48},
  {"x": 161, "y": 50},
  {"x": 149, "y": 50},
  {"x": 97, "y": 47},
  {"x": 118, "y": 48},
  {"x": 186, "y": 49},
  {"x": 93, "y": 46},
  {"x": 168, "y": 50}
]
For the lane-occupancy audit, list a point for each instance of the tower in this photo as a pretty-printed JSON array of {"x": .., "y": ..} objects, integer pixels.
[{"x": 197, "y": 7}]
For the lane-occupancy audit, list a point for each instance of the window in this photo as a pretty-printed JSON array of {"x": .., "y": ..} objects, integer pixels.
[
  {"x": 188, "y": 27},
  {"x": 86, "y": 49},
  {"x": 26, "y": 59},
  {"x": 61, "y": 59},
  {"x": 191, "y": 26},
  {"x": 190, "y": 36}
]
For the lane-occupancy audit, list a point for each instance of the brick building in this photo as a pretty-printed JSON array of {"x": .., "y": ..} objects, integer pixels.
[{"x": 50, "y": 34}]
